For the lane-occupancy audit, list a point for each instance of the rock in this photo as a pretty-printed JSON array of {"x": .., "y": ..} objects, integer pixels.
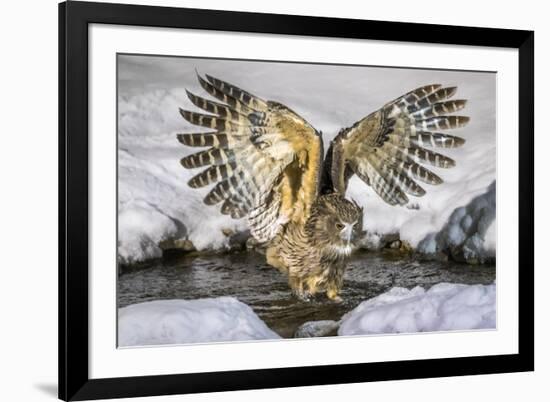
[
  {"x": 406, "y": 247},
  {"x": 370, "y": 241},
  {"x": 251, "y": 243},
  {"x": 313, "y": 329},
  {"x": 227, "y": 232},
  {"x": 469, "y": 253},
  {"x": 433, "y": 256},
  {"x": 395, "y": 244},
  {"x": 399, "y": 248},
  {"x": 238, "y": 240},
  {"x": 375, "y": 241},
  {"x": 177, "y": 244},
  {"x": 186, "y": 245},
  {"x": 389, "y": 238}
]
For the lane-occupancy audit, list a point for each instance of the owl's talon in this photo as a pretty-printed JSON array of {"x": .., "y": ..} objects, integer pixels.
[
  {"x": 306, "y": 297},
  {"x": 303, "y": 296},
  {"x": 333, "y": 296}
]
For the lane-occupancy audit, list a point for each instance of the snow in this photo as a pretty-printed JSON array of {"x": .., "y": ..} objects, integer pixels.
[
  {"x": 469, "y": 233},
  {"x": 155, "y": 203},
  {"x": 189, "y": 321},
  {"x": 443, "y": 307},
  {"x": 490, "y": 241}
]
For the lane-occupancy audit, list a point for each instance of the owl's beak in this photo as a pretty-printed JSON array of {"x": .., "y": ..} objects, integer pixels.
[{"x": 347, "y": 232}]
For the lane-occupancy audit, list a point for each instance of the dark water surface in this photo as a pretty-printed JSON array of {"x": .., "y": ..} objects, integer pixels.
[{"x": 246, "y": 276}]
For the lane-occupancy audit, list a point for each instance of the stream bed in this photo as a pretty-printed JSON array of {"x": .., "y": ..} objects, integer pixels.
[{"x": 246, "y": 276}]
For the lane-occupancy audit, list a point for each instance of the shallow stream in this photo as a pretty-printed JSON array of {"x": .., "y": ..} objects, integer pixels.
[{"x": 246, "y": 276}]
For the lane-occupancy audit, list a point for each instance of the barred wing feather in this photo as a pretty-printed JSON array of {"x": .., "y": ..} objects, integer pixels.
[
  {"x": 262, "y": 158},
  {"x": 388, "y": 148}
]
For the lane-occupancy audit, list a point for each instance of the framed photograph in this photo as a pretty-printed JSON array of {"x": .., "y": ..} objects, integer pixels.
[{"x": 259, "y": 201}]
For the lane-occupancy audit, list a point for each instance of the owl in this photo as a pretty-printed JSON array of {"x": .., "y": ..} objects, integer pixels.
[{"x": 266, "y": 163}]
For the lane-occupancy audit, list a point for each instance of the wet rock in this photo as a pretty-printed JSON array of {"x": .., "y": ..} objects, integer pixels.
[
  {"x": 405, "y": 247},
  {"x": 469, "y": 253},
  {"x": 434, "y": 256},
  {"x": 376, "y": 241},
  {"x": 238, "y": 240},
  {"x": 370, "y": 241},
  {"x": 389, "y": 238},
  {"x": 313, "y": 329},
  {"x": 175, "y": 248},
  {"x": 177, "y": 244},
  {"x": 395, "y": 245},
  {"x": 227, "y": 232},
  {"x": 253, "y": 245},
  {"x": 399, "y": 249}
]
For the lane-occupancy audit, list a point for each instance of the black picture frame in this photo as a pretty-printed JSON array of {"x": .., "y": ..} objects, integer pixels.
[{"x": 74, "y": 18}]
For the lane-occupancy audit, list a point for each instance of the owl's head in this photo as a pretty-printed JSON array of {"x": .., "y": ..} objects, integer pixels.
[{"x": 335, "y": 223}]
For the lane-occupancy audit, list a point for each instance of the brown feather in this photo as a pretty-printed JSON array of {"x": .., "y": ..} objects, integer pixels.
[{"x": 387, "y": 147}]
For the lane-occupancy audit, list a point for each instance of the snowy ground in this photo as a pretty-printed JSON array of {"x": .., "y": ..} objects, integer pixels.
[
  {"x": 155, "y": 203},
  {"x": 188, "y": 321},
  {"x": 443, "y": 307}
]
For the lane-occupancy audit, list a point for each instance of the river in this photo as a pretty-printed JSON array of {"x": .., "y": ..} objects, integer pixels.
[{"x": 246, "y": 276}]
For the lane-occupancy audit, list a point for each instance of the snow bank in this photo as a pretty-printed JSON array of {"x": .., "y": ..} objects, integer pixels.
[
  {"x": 443, "y": 307},
  {"x": 188, "y": 321},
  {"x": 155, "y": 203},
  {"x": 466, "y": 236}
]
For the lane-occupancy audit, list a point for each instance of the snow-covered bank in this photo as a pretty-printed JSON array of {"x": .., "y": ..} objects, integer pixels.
[
  {"x": 156, "y": 205},
  {"x": 443, "y": 307},
  {"x": 189, "y": 321},
  {"x": 466, "y": 236}
]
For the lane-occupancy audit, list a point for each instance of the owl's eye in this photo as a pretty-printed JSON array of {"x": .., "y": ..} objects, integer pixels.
[{"x": 339, "y": 225}]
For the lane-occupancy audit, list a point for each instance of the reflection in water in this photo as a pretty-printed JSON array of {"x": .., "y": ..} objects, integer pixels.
[{"x": 246, "y": 276}]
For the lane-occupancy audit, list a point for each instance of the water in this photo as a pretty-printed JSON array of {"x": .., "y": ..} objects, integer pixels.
[{"x": 246, "y": 276}]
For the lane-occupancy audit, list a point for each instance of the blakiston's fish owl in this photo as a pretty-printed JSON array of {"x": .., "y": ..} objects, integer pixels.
[{"x": 267, "y": 164}]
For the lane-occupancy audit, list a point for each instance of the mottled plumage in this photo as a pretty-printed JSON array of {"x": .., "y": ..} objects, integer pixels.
[
  {"x": 314, "y": 255},
  {"x": 265, "y": 162}
]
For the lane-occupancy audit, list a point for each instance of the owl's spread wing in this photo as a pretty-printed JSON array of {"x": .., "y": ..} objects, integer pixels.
[
  {"x": 263, "y": 158},
  {"x": 387, "y": 148}
]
